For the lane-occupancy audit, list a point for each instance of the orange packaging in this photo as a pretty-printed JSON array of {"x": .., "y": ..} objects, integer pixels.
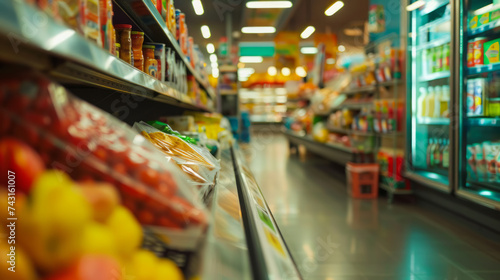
[
  {"x": 106, "y": 24},
  {"x": 479, "y": 50},
  {"x": 150, "y": 62},
  {"x": 183, "y": 33},
  {"x": 470, "y": 54},
  {"x": 137, "y": 40}
]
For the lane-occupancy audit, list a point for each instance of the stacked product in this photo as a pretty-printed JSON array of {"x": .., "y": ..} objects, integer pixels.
[{"x": 483, "y": 162}]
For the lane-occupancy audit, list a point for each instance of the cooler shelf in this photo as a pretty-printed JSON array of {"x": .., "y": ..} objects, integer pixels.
[
  {"x": 484, "y": 28},
  {"x": 483, "y": 69}
]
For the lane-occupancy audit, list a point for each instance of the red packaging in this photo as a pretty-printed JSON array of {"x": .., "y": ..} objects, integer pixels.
[
  {"x": 89, "y": 144},
  {"x": 479, "y": 51},
  {"x": 470, "y": 54}
]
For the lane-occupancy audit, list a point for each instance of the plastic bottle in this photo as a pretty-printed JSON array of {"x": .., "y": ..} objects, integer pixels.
[
  {"x": 422, "y": 103},
  {"x": 439, "y": 59},
  {"x": 431, "y": 102},
  {"x": 437, "y": 153},
  {"x": 446, "y": 57},
  {"x": 446, "y": 155},
  {"x": 430, "y": 153},
  {"x": 433, "y": 62},
  {"x": 425, "y": 62},
  {"x": 438, "y": 95},
  {"x": 445, "y": 102}
]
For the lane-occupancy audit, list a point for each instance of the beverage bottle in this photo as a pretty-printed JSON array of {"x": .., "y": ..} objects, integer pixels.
[
  {"x": 430, "y": 153},
  {"x": 437, "y": 153},
  {"x": 438, "y": 94},
  {"x": 425, "y": 62},
  {"x": 446, "y": 155},
  {"x": 445, "y": 102},
  {"x": 439, "y": 59},
  {"x": 422, "y": 103},
  {"x": 431, "y": 101},
  {"x": 446, "y": 57},
  {"x": 433, "y": 62}
]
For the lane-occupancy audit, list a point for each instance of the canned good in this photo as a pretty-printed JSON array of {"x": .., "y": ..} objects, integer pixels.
[
  {"x": 470, "y": 54},
  {"x": 479, "y": 50}
]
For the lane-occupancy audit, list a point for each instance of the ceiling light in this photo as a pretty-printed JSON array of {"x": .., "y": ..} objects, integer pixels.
[
  {"x": 210, "y": 48},
  {"x": 334, "y": 8},
  {"x": 245, "y": 72},
  {"x": 251, "y": 59},
  {"x": 198, "y": 7},
  {"x": 483, "y": 10},
  {"x": 269, "y": 4},
  {"x": 301, "y": 71},
  {"x": 213, "y": 58},
  {"x": 258, "y": 29},
  {"x": 215, "y": 72},
  {"x": 285, "y": 71},
  {"x": 330, "y": 61},
  {"x": 205, "y": 31},
  {"x": 341, "y": 48},
  {"x": 307, "y": 32},
  {"x": 416, "y": 5},
  {"x": 214, "y": 65},
  {"x": 272, "y": 71},
  {"x": 309, "y": 50}
]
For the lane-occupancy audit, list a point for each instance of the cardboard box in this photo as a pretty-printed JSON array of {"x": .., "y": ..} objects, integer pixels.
[
  {"x": 484, "y": 19},
  {"x": 491, "y": 52},
  {"x": 495, "y": 15},
  {"x": 474, "y": 22}
]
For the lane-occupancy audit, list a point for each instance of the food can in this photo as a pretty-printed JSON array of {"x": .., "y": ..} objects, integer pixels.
[
  {"x": 470, "y": 54},
  {"x": 479, "y": 50},
  {"x": 470, "y": 97},
  {"x": 479, "y": 96}
]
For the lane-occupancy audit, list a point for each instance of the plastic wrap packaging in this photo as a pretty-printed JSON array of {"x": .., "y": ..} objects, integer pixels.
[
  {"x": 200, "y": 166},
  {"x": 91, "y": 145}
]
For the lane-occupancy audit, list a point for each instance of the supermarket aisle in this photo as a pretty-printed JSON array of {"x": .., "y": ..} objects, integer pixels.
[{"x": 332, "y": 237}]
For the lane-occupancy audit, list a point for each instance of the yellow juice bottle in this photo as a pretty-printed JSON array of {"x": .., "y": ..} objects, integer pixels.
[{"x": 431, "y": 102}]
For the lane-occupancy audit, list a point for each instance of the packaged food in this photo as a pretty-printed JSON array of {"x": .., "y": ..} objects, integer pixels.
[
  {"x": 91, "y": 145},
  {"x": 479, "y": 50},
  {"x": 123, "y": 37},
  {"x": 106, "y": 24},
  {"x": 163, "y": 127},
  {"x": 160, "y": 58},
  {"x": 479, "y": 96},
  {"x": 470, "y": 54},
  {"x": 180, "y": 123},
  {"x": 91, "y": 26},
  {"x": 137, "y": 40},
  {"x": 491, "y": 52},
  {"x": 171, "y": 17},
  {"x": 470, "y": 155},
  {"x": 183, "y": 39},
  {"x": 177, "y": 24},
  {"x": 473, "y": 23},
  {"x": 197, "y": 164},
  {"x": 494, "y": 15},
  {"x": 150, "y": 63},
  {"x": 484, "y": 19},
  {"x": 490, "y": 153},
  {"x": 470, "y": 97},
  {"x": 70, "y": 14}
]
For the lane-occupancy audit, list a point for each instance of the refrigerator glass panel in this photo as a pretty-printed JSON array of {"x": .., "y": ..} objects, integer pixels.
[
  {"x": 480, "y": 99},
  {"x": 429, "y": 89}
]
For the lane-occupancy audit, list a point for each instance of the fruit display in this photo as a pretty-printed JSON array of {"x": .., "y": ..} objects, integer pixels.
[
  {"x": 92, "y": 146},
  {"x": 197, "y": 163}
]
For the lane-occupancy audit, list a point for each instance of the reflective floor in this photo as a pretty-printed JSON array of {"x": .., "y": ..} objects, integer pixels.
[{"x": 333, "y": 237}]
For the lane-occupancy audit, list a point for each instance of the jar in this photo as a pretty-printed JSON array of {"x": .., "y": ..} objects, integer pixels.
[
  {"x": 123, "y": 36},
  {"x": 137, "y": 40},
  {"x": 117, "y": 50},
  {"x": 150, "y": 63}
]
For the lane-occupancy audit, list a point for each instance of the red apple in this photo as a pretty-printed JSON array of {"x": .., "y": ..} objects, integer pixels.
[{"x": 18, "y": 158}]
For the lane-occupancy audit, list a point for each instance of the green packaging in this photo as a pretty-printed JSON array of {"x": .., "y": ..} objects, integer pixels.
[
  {"x": 491, "y": 52},
  {"x": 484, "y": 19},
  {"x": 163, "y": 127},
  {"x": 494, "y": 15}
]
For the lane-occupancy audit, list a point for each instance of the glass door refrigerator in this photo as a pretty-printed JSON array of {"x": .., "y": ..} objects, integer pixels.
[
  {"x": 428, "y": 68},
  {"x": 479, "y": 89}
]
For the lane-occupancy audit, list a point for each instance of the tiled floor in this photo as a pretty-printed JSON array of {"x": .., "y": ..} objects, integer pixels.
[{"x": 333, "y": 237}]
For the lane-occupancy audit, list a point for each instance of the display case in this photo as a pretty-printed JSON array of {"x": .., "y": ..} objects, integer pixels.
[
  {"x": 479, "y": 102},
  {"x": 428, "y": 106}
]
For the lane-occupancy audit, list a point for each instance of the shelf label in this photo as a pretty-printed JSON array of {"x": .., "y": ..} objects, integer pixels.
[{"x": 490, "y": 67}]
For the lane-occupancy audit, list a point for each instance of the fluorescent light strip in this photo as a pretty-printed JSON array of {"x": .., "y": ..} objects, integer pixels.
[
  {"x": 205, "y": 31},
  {"x": 269, "y": 4},
  {"x": 415, "y": 5},
  {"x": 307, "y": 32},
  {"x": 198, "y": 7},
  {"x": 258, "y": 29},
  {"x": 210, "y": 48},
  {"x": 309, "y": 50},
  {"x": 335, "y": 7},
  {"x": 251, "y": 59},
  {"x": 483, "y": 10}
]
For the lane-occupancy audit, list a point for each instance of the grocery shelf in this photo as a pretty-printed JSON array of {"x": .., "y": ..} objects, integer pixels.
[
  {"x": 434, "y": 23},
  {"x": 431, "y": 6},
  {"x": 354, "y": 106},
  {"x": 61, "y": 52},
  {"x": 484, "y": 28},
  {"x": 433, "y": 121},
  {"x": 394, "y": 82},
  {"x": 434, "y": 43},
  {"x": 334, "y": 152},
  {"x": 350, "y": 131},
  {"x": 483, "y": 121},
  {"x": 435, "y": 76},
  {"x": 483, "y": 69},
  {"x": 228, "y": 92},
  {"x": 365, "y": 89},
  {"x": 149, "y": 20}
]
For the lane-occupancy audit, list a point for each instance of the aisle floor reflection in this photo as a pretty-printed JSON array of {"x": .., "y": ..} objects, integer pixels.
[{"x": 334, "y": 237}]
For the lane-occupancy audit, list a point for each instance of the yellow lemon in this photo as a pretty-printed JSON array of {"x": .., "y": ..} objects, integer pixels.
[{"x": 126, "y": 231}]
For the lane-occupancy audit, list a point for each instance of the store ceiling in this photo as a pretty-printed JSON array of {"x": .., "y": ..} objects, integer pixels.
[{"x": 302, "y": 14}]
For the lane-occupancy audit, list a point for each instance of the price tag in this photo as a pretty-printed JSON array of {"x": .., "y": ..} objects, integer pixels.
[{"x": 490, "y": 67}]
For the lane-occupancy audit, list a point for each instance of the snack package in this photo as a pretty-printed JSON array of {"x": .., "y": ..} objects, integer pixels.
[
  {"x": 491, "y": 154},
  {"x": 163, "y": 127},
  {"x": 91, "y": 145},
  {"x": 471, "y": 163},
  {"x": 193, "y": 160},
  {"x": 480, "y": 163}
]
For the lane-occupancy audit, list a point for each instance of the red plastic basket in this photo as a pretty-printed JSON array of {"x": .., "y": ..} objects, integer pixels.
[{"x": 362, "y": 180}]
